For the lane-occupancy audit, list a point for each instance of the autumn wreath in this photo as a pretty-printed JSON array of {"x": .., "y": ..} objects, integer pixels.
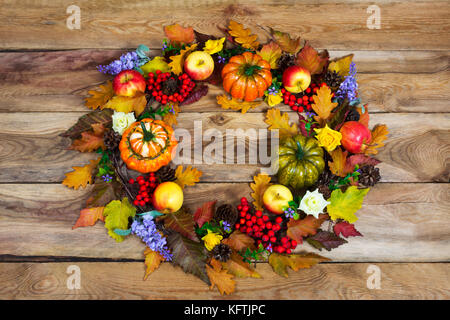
[{"x": 324, "y": 164}]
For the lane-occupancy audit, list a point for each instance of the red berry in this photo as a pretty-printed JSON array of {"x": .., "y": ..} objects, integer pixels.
[
  {"x": 265, "y": 238},
  {"x": 142, "y": 203},
  {"x": 253, "y": 219},
  {"x": 279, "y": 220},
  {"x": 244, "y": 200},
  {"x": 276, "y": 227},
  {"x": 139, "y": 197},
  {"x": 265, "y": 218},
  {"x": 288, "y": 251},
  {"x": 301, "y": 109},
  {"x": 281, "y": 249},
  {"x": 255, "y": 228},
  {"x": 131, "y": 181},
  {"x": 136, "y": 202},
  {"x": 242, "y": 221},
  {"x": 269, "y": 225},
  {"x": 258, "y": 213},
  {"x": 270, "y": 233},
  {"x": 147, "y": 199},
  {"x": 259, "y": 221},
  {"x": 243, "y": 229},
  {"x": 249, "y": 223},
  {"x": 237, "y": 226},
  {"x": 239, "y": 207},
  {"x": 295, "y": 108},
  {"x": 293, "y": 244},
  {"x": 242, "y": 214},
  {"x": 284, "y": 239},
  {"x": 248, "y": 216},
  {"x": 308, "y": 90},
  {"x": 245, "y": 208},
  {"x": 273, "y": 239}
]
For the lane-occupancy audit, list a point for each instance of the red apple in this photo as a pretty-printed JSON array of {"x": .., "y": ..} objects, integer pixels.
[
  {"x": 168, "y": 197},
  {"x": 199, "y": 65},
  {"x": 276, "y": 198},
  {"x": 128, "y": 82},
  {"x": 355, "y": 136},
  {"x": 296, "y": 79}
]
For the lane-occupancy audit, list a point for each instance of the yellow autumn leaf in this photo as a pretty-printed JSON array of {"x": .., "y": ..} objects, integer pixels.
[
  {"x": 214, "y": 46},
  {"x": 178, "y": 61},
  {"x": 271, "y": 52},
  {"x": 278, "y": 121},
  {"x": 157, "y": 63},
  {"x": 379, "y": 134},
  {"x": 235, "y": 104},
  {"x": 262, "y": 182},
  {"x": 152, "y": 261},
  {"x": 171, "y": 117},
  {"x": 343, "y": 205},
  {"x": 236, "y": 266},
  {"x": 280, "y": 262},
  {"x": 100, "y": 97},
  {"x": 81, "y": 176},
  {"x": 221, "y": 279},
  {"x": 189, "y": 177},
  {"x": 341, "y": 65},
  {"x": 323, "y": 105},
  {"x": 340, "y": 166},
  {"x": 245, "y": 37},
  {"x": 137, "y": 103},
  {"x": 285, "y": 41}
]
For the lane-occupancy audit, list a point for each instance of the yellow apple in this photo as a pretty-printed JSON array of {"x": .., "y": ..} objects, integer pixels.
[
  {"x": 296, "y": 79},
  {"x": 276, "y": 198},
  {"x": 168, "y": 197},
  {"x": 199, "y": 65}
]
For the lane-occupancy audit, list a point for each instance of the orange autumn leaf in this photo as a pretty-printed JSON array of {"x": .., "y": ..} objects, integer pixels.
[
  {"x": 239, "y": 268},
  {"x": 221, "y": 279},
  {"x": 89, "y": 216},
  {"x": 245, "y": 37},
  {"x": 239, "y": 241},
  {"x": 262, "y": 182},
  {"x": 285, "y": 41},
  {"x": 100, "y": 97},
  {"x": 179, "y": 34},
  {"x": 280, "y": 262},
  {"x": 322, "y": 104},
  {"x": 363, "y": 116},
  {"x": 271, "y": 52},
  {"x": 235, "y": 104},
  {"x": 136, "y": 103},
  {"x": 310, "y": 59},
  {"x": 297, "y": 229},
  {"x": 177, "y": 63},
  {"x": 90, "y": 140},
  {"x": 379, "y": 134},
  {"x": 189, "y": 177},
  {"x": 340, "y": 165},
  {"x": 81, "y": 176},
  {"x": 171, "y": 118},
  {"x": 152, "y": 261},
  {"x": 278, "y": 121}
]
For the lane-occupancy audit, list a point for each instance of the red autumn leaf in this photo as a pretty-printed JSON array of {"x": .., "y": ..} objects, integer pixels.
[
  {"x": 310, "y": 59},
  {"x": 346, "y": 229},
  {"x": 325, "y": 240},
  {"x": 204, "y": 213},
  {"x": 361, "y": 160},
  {"x": 90, "y": 140},
  {"x": 297, "y": 229},
  {"x": 89, "y": 216}
]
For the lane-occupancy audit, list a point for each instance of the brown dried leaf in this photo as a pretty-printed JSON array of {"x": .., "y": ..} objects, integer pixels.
[{"x": 100, "y": 97}]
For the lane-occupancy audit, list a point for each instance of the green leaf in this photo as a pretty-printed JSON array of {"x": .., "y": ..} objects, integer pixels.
[
  {"x": 117, "y": 213},
  {"x": 344, "y": 205}
]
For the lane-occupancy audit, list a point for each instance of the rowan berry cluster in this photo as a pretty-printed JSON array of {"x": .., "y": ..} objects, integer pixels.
[
  {"x": 155, "y": 86},
  {"x": 146, "y": 187}
]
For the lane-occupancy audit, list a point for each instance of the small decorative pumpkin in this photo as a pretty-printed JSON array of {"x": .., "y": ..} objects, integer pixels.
[
  {"x": 147, "y": 145},
  {"x": 246, "y": 76},
  {"x": 300, "y": 161}
]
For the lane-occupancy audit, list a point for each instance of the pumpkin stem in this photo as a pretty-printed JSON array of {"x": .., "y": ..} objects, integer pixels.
[
  {"x": 300, "y": 153},
  {"x": 148, "y": 136},
  {"x": 249, "y": 70}
]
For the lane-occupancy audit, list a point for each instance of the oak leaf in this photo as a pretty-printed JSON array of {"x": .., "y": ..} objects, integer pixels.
[
  {"x": 100, "y": 97},
  {"x": 379, "y": 134},
  {"x": 204, "y": 213},
  {"x": 298, "y": 229},
  {"x": 235, "y": 104},
  {"x": 325, "y": 240},
  {"x": 181, "y": 222},
  {"x": 341, "y": 65},
  {"x": 81, "y": 176},
  {"x": 322, "y": 104},
  {"x": 221, "y": 279},
  {"x": 116, "y": 217},
  {"x": 90, "y": 140},
  {"x": 271, "y": 52},
  {"x": 245, "y": 37},
  {"x": 179, "y": 34},
  {"x": 239, "y": 268},
  {"x": 285, "y": 41},
  {"x": 343, "y": 205},
  {"x": 239, "y": 241},
  {"x": 346, "y": 229},
  {"x": 280, "y": 262},
  {"x": 89, "y": 216},
  {"x": 262, "y": 182},
  {"x": 310, "y": 59},
  {"x": 188, "y": 177},
  {"x": 278, "y": 121},
  {"x": 136, "y": 103},
  {"x": 152, "y": 261},
  {"x": 177, "y": 63}
]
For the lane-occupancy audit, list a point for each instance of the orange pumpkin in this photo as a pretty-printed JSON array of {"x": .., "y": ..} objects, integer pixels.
[
  {"x": 147, "y": 145},
  {"x": 246, "y": 76}
]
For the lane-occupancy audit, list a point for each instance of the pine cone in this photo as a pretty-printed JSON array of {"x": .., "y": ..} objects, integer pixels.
[
  {"x": 353, "y": 115},
  {"x": 332, "y": 79},
  {"x": 325, "y": 191},
  {"x": 325, "y": 177},
  {"x": 111, "y": 139},
  {"x": 226, "y": 212},
  {"x": 221, "y": 252},
  {"x": 170, "y": 86},
  {"x": 166, "y": 173},
  {"x": 369, "y": 176},
  {"x": 285, "y": 61}
]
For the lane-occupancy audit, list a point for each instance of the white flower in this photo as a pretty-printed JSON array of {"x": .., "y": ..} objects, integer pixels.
[
  {"x": 122, "y": 120},
  {"x": 313, "y": 203}
]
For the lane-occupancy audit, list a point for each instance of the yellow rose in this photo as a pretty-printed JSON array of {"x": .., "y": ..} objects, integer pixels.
[
  {"x": 211, "y": 240},
  {"x": 273, "y": 100},
  {"x": 214, "y": 46},
  {"x": 328, "y": 138}
]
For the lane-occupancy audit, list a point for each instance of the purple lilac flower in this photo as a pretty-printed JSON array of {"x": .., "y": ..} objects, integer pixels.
[
  {"x": 309, "y": 115},
  {"x": 147, "y": 231},
  {"x": 269, "y": 247},
  {"x": 226, "y": 226},
  {"x": 107, "y": 178},
  {"x": 349, "y": 87},
  {"x": 289, "y": 213},
  {"x": 127, "y": 61},
  {"x": 273, "y": 91},
  {"x": 221, "y": 59},
  {"x": 164, "y": 47}
]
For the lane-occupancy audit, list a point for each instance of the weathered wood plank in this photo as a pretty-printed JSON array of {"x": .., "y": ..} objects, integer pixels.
[
  {"x": 417, "y": 149},
  {"x": 124, "y": 281},
  {"x": 120, "y": 24},
  {"x": 400, "y": 223},
  {"x": 390, "y": 81}
]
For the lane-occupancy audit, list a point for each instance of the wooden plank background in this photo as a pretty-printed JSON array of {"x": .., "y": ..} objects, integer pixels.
[{"x": 47, "y": 69}]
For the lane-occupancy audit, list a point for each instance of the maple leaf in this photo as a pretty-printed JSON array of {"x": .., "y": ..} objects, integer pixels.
[
  {"x": 297, "y": 229},
  {"x": 100, "y": 97},
  {"x": 278, "y": 121},
  {"x": 363, "y": 116},
  {"x": 280, "y": 262},
  {"x": 239, "y": 241},
  {"x": 379, "y": 134},
  {"x": 235, "y": 104},
  {"x": 271, "y": 52},
  {"x": 239, "y": 268},
  {"x": 171, "y": 118},
  {"x": 243, "y": 36},
  {"x": 344, "y": 205},
  {"x": 221, "y": 279},
  {"x": 189, "y": 177},
  {"x": 90, "y": 140},
  {"x": 182, "y": 222},
  {"x": 178, "y": 61},
  {"x": 341, "y": 65},
  {"x": 89, "y": 216},
  {"x": 285, "y": 41},
  {"x": 81, "y": 176},
  {"x": 189, "y": 255},
  {"x": 86, "y": 121},
  {"x": 323, "y": 105},
  {"x": 346, "y": 229},
  {"x": 262, "y": 182},
  {"x": 152, "y": 260},
  {"x": 340, "y": 165},
  {"x": 179, "y": 34},
  {"x": 325, "y": 240},
  {"x": 310, "y": 59},
  {"x": 204, "y": 213},
  {"x": 137, "y": 103},
  {"x": 116, "y": 217}
]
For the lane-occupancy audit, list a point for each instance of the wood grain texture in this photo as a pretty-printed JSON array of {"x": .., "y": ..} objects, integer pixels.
[
  {"x": 389, "y": 81},
  {"x": 42, "y": 217},
  {"x": 121, "y": 24},
  {"x": 31, "y": 151},
  {"x": 124, "y": 281}
]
